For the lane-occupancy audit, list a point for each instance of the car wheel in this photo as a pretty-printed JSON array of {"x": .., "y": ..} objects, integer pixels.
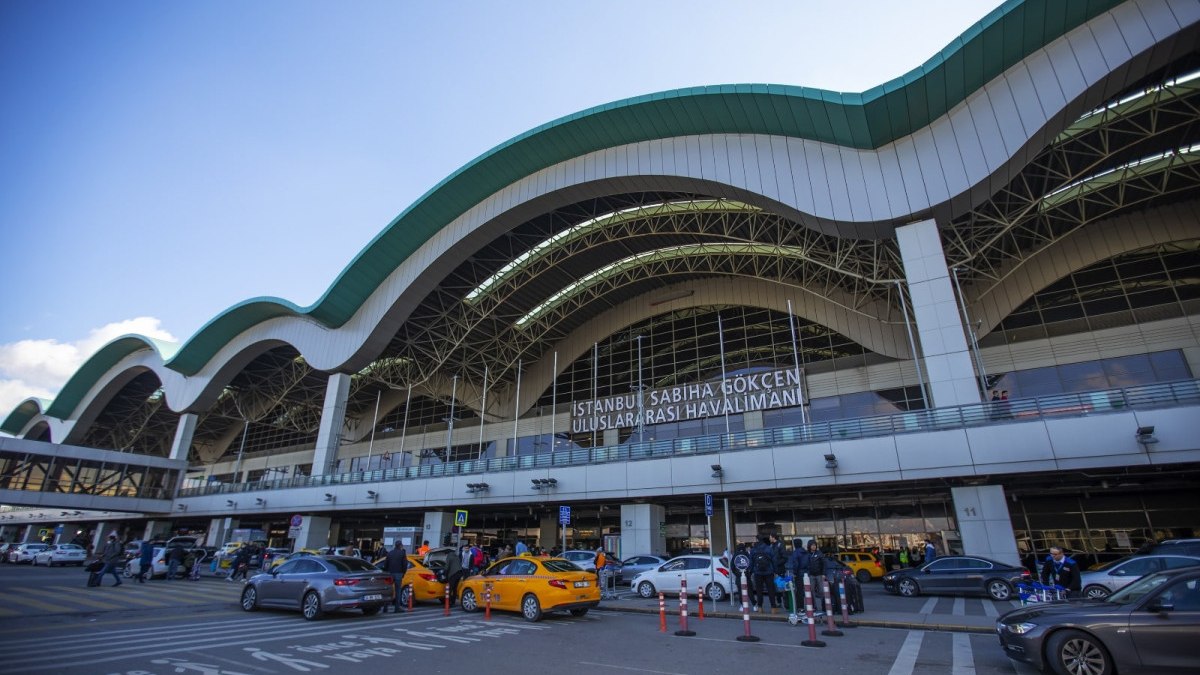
[
  {"x": 372, "y": 611},
  {"x": 469, "y": 602},
  {"x": 908, "y": 588},
  {"x": 311, "y": 606},
  {"x": 863, "y": 576},
  {"x": 1072, "y": 652},
  {"x": 1096, "y": 592},
  {"x": 715, "y": 592},
  {"x": 404, "y": 593},
  {"x": 531, "y": 609},
  {"x": 999, "y": 590},
  {"x": 127, "y": 572},
  {"x": 646, "y": 589},
  {"x": 250, "y": 599},
  {"x": 582, "y": 611}
]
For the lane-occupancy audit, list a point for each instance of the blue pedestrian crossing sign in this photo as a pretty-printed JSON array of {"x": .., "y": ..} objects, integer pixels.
[
  {"x": 564, "y": 515},
  {"x": 460, "y": 518},
  {"x": 708, "y": 505}
]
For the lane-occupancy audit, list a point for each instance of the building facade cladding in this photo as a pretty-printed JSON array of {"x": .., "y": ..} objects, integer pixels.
[{"x": 972, "y": 151}]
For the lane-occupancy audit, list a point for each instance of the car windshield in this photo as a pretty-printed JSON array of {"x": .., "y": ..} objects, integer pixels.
[
  {"x": 1138, "y": 589},
  {"x": 561, "y": 566},
  {"x": 1108, "y": 565},
  {"x": 351, "y": 565}
]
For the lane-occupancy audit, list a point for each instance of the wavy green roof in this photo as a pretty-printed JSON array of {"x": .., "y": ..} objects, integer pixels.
[{"x": 867, "y": 120}]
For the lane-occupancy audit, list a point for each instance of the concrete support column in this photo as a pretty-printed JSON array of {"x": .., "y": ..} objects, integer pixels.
[
  {"x": 314, "y": 533},
  {"x": 548, "y": 536},
  {"x": 643, "y": 529},
  {"x": 984, "y": 523},
  {"x": 157, "y": 529},
  {"x": 333, "y": 415},
  {"x": 183, "y": 436},
  {"x": 952, "y": 377},
  {"x": 219, "y": 530},
  {"x": 717, "y": 535},
  {"x": 437, "y": 525}
]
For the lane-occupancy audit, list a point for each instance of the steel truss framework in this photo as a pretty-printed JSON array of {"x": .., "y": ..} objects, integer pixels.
[{"x": 1089, "y": 172}]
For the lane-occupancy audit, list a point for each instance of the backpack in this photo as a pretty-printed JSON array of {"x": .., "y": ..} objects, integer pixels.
[
  {"x": 476, "y": 557},
  {"x": 762, "y": 564}
]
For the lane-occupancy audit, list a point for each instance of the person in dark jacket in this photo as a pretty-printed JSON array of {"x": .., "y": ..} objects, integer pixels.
[
  {"x": 812, "y": 563},
  {"x": 762, "y": 566},
  {"x": 145, "y": 561},
  {"x": 241, "y": 563},
  {"x": 397, "y": 565},
  {"x": 112, "y": 554},
  {"x": 454, "y": 572},
  {"x": 175, "y": 558},
  {"x": 1061, "y": 570}
]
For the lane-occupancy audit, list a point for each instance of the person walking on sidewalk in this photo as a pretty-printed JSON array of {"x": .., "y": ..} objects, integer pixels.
[
  {"x": 397, "y": 565},
  {"x": 145, "y": 561},
  {"x": 111, "y": 554}
]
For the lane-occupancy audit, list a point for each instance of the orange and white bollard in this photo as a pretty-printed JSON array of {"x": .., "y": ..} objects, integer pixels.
[
  {"x": 829, "y": 628},
  {"x": 683, "y": 629},
  {"x": 487, "y": 602},
  {"x": 846, "y": 623},
  {"x": 746, "y": 616},
  {"x": 662, "y": 613},
  {"x": 812, "y": 640},
  {"x": 446, "y": 612},
  {"x": 411, "y": 592},
  {"x": 700, "y": 598}
]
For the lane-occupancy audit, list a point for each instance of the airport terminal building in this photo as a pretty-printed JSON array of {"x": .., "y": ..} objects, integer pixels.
[{"x": 963, "y": 305}]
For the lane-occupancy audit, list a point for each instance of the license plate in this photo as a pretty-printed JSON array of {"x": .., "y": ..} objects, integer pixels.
[
  {"x": 582, "y": 584},
  {"x": 376, "y": 596}
]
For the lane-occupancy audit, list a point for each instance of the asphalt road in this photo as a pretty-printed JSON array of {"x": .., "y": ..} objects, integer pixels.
[{"x": 51, "y": 623}]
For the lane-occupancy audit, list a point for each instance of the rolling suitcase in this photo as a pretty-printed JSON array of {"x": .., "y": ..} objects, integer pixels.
[{"x": 93, "y": 569}]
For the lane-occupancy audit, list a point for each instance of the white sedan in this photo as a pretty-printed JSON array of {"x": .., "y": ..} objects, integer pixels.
[
  {"x": 158, "y": 568},
  {"x": 61, "y": 554},
  {"x": 700, "y": 571}
]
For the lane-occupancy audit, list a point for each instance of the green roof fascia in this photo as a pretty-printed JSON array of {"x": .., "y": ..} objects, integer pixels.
[
  {"x": 20, "y": 416},
  {"x": 888, "y": 112}
]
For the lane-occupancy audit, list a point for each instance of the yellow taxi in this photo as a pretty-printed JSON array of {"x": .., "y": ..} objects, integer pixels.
[
  {"x": 424, "y": 583},
  {"x": 532, "y": 586},
  {"x": 301, "y": 553},
  {"x": 866, "y": 566}
]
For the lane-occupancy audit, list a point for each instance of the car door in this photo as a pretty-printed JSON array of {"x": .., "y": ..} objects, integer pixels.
[
  {"x": 512, "y": 583},
  {"x": 1129, "y": 571},
  {"x": 270, "y": 588},
  {"x": 698, "y": 574},
  {"x": 1164, "y": 628},
  {"x": 670, "y": 574},
  {"x": 938, "y": 576}
]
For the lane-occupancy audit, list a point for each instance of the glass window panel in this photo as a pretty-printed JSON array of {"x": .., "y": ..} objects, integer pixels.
[{"x": 1169, "y": 366}]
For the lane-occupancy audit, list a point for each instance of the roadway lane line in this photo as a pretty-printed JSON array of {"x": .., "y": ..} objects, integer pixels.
[
  {"x": 130, "y": 596},
  {"x": 906, "y": 659},
  {"x": 963, "y": 658},
  {"x": 33, "y": 602},
  {"x": 989, "y": 608},
  {"x": 636, "y": 670},
  {"x": 960, "y": 606},
  {"x": 76, "y": 599},
  {"x": 927, "y": 608}
]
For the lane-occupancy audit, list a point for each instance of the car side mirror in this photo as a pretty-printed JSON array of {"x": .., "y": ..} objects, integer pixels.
[{"x": 1158, "y": 605}]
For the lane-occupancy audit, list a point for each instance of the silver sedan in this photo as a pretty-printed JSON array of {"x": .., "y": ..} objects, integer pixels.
[
  {"x": 319, "y": 584},
  {"x": 635, "y": 565},
  {"x": 1103, "y": 581}
]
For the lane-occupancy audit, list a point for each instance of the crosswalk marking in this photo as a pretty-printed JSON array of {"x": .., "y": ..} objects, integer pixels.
[
  {"x": 906, "y": 660},
  {"x": 960, "y": 606},
  {"x": 75, "y": 598},
  {"x": 989, "y": 609},
  {"x": 964, "y": 658},
  {"x": 927, "y": 608}
]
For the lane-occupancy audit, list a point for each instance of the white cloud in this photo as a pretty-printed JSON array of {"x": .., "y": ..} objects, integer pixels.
[{"x": 39, "y": 368}]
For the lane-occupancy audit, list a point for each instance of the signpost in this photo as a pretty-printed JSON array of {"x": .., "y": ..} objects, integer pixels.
[
  {"x": 294, "y": 526},
  {"x": 460, "y": 518},
  {"x": 564, "y": 519},
  {"x": 708, "y": 510}
]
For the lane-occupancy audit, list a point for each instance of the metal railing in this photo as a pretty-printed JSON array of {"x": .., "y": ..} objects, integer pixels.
[{"x": 957, "y": 417}]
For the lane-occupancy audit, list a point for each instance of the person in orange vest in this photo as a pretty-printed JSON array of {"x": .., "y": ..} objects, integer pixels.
[{"x": 423, "y": 549}]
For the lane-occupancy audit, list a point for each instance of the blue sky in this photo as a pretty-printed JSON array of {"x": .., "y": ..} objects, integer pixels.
[{"x": 161, "y": 161}]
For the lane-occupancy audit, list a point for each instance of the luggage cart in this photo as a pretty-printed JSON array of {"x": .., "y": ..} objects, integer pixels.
[
  {"x": 795, "y": 613},
  {"x": 1037, "y": 592}
]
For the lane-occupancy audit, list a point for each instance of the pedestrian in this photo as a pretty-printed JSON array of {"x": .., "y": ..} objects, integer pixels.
[
  {"x": 1061, "y": 570},
  {"x": 397, "y": 565},
  {"x": 903, "y": 556},
  {"x": 930, "y": 550},
  {"x": 762, "y": 566},
  {"x": 454, "y": 572},
  {"x": 241, "y": 563},
  {"x": 111, "y": 555},
  {"x": 145, "y": 561},
  {"x": 521, "y": 548},
  {"x": 813, "y": 563},
  {"x": 423, "y": 549},
  {"x": 175, "y": 556}
]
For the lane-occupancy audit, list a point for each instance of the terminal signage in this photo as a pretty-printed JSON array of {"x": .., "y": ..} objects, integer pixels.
[
  {"x": 708, "y": 505},
  {"x": 564, "y": 515},
  {"x": 746, "y": 392},
  {"x": 460, "y": 518}
]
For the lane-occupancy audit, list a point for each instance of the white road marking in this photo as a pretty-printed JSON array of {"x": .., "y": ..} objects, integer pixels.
[
  {"x": 927, "y": 608},
  {"x": 964, "y": 659},
  {"x": 906, "y": 659},
  {"x": 960, "y": 607},
  {"x": 989, "y": 608}
]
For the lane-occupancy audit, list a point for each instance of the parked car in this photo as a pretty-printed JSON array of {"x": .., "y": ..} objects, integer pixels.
[
  {"x": 633, "y": 566},
  {"x": 532, "y": 586},
  {"x": 425, "y": 583},
  {"x": 1144, "y": 626},
  {"x": 271, "y": 554},
  {"x": 957, "y": 574},
  {"x": 1172, "y": 547},
  {"x": 4, "y": 549},
  {"x": 701, "y": 571},
  {"x": 587, "y": 561},
  {"x": 1111, "y": 577},
  {"x": 866, "y": 566},
  {"x": 24, "y": 553},
  {"x": 61, "y": 554},
  {"x": 319, "y": 584},
  {"x": 158, "y": 566},
  {"x": 302, "y": 553}
]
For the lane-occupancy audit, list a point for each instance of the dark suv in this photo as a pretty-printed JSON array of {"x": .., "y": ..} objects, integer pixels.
[{"x": 1172, "y": 547}]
